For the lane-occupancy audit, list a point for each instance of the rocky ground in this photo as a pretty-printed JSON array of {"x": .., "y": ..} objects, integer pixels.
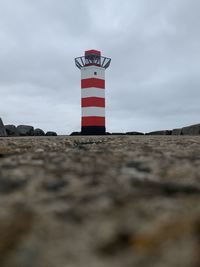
[{"x": 119, "y": 201}]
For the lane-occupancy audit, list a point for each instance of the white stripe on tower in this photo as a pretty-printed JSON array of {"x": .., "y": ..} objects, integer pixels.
[
  {"x": 92, "y": 92},
  {"x": 93, "y": 72},
  {"x": 93, "y": 112}
]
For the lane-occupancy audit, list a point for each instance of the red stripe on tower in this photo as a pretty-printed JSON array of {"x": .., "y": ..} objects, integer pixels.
[
  {"x": 93, "y": 94},
  {"x": 93, "y": 82},
  {"x": 93, "y": 102},
  {"x": 93, "y": 121}
]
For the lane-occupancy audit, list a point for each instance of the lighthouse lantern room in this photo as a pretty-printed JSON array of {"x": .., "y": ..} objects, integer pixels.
[{"x": 93, "y": 67}]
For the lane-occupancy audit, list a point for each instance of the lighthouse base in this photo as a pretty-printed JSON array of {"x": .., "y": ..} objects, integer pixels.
[{"x": 93, "y": 130}]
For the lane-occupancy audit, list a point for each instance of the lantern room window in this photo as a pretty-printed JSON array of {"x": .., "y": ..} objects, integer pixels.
[{"x": 92, "y": 58}]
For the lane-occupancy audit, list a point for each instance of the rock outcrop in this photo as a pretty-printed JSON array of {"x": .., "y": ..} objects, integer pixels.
[
  {"x": 50, "y": 133},
  {"x": 39, "y": 132},
  {"x": 134, "y": 133},
  {"x": 164, "y": 132},
  {"x": 177, "y": 131},
  {"x": 2, "y": 129},
  {"x": 11, "y": 130},
  {"x": 191, "y": 130},
  {"x": 75, "y": 134},
  {"x": 117, "y": 133},
  {"x": 25, "y": 130}
]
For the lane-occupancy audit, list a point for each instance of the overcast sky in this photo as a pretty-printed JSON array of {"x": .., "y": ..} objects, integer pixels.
[{"x": 153, "y": 82}]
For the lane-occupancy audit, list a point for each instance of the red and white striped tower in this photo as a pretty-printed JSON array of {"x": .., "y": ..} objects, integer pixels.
[{"x": 92, "y": 67}]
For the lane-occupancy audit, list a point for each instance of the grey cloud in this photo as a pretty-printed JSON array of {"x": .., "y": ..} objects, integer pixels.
[{"x": 153, "y": 81}]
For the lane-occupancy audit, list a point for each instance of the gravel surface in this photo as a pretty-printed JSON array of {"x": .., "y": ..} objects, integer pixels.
[{"x": 119, "y": 201}]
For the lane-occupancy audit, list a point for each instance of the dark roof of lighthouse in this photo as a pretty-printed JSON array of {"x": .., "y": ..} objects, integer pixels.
[{"x": 92, "y": 52}]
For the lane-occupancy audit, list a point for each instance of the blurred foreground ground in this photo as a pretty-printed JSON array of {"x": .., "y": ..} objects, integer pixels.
[{"x": 100, "y": 201}]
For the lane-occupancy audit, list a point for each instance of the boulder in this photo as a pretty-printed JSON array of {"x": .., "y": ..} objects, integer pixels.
[
  {"x": 177, "y": 131},
  {"x": 25, "y": 130},
  {"x": 2, "y": 129},
  {"x": 134, "y": 133},
  {"x": 11, "y": 130},
  {"x": 191, "y": 130},
  {"x": 164, "y": 132},
  {"x": 75, "y": 134},
  {"x": 39, "y": 132},
  {"x": 117, "y": 133},
  {"x": 51, "y": 134}
]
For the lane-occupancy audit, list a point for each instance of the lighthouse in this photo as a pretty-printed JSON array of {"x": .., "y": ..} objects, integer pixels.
[{"x": 93, "y": 66}]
